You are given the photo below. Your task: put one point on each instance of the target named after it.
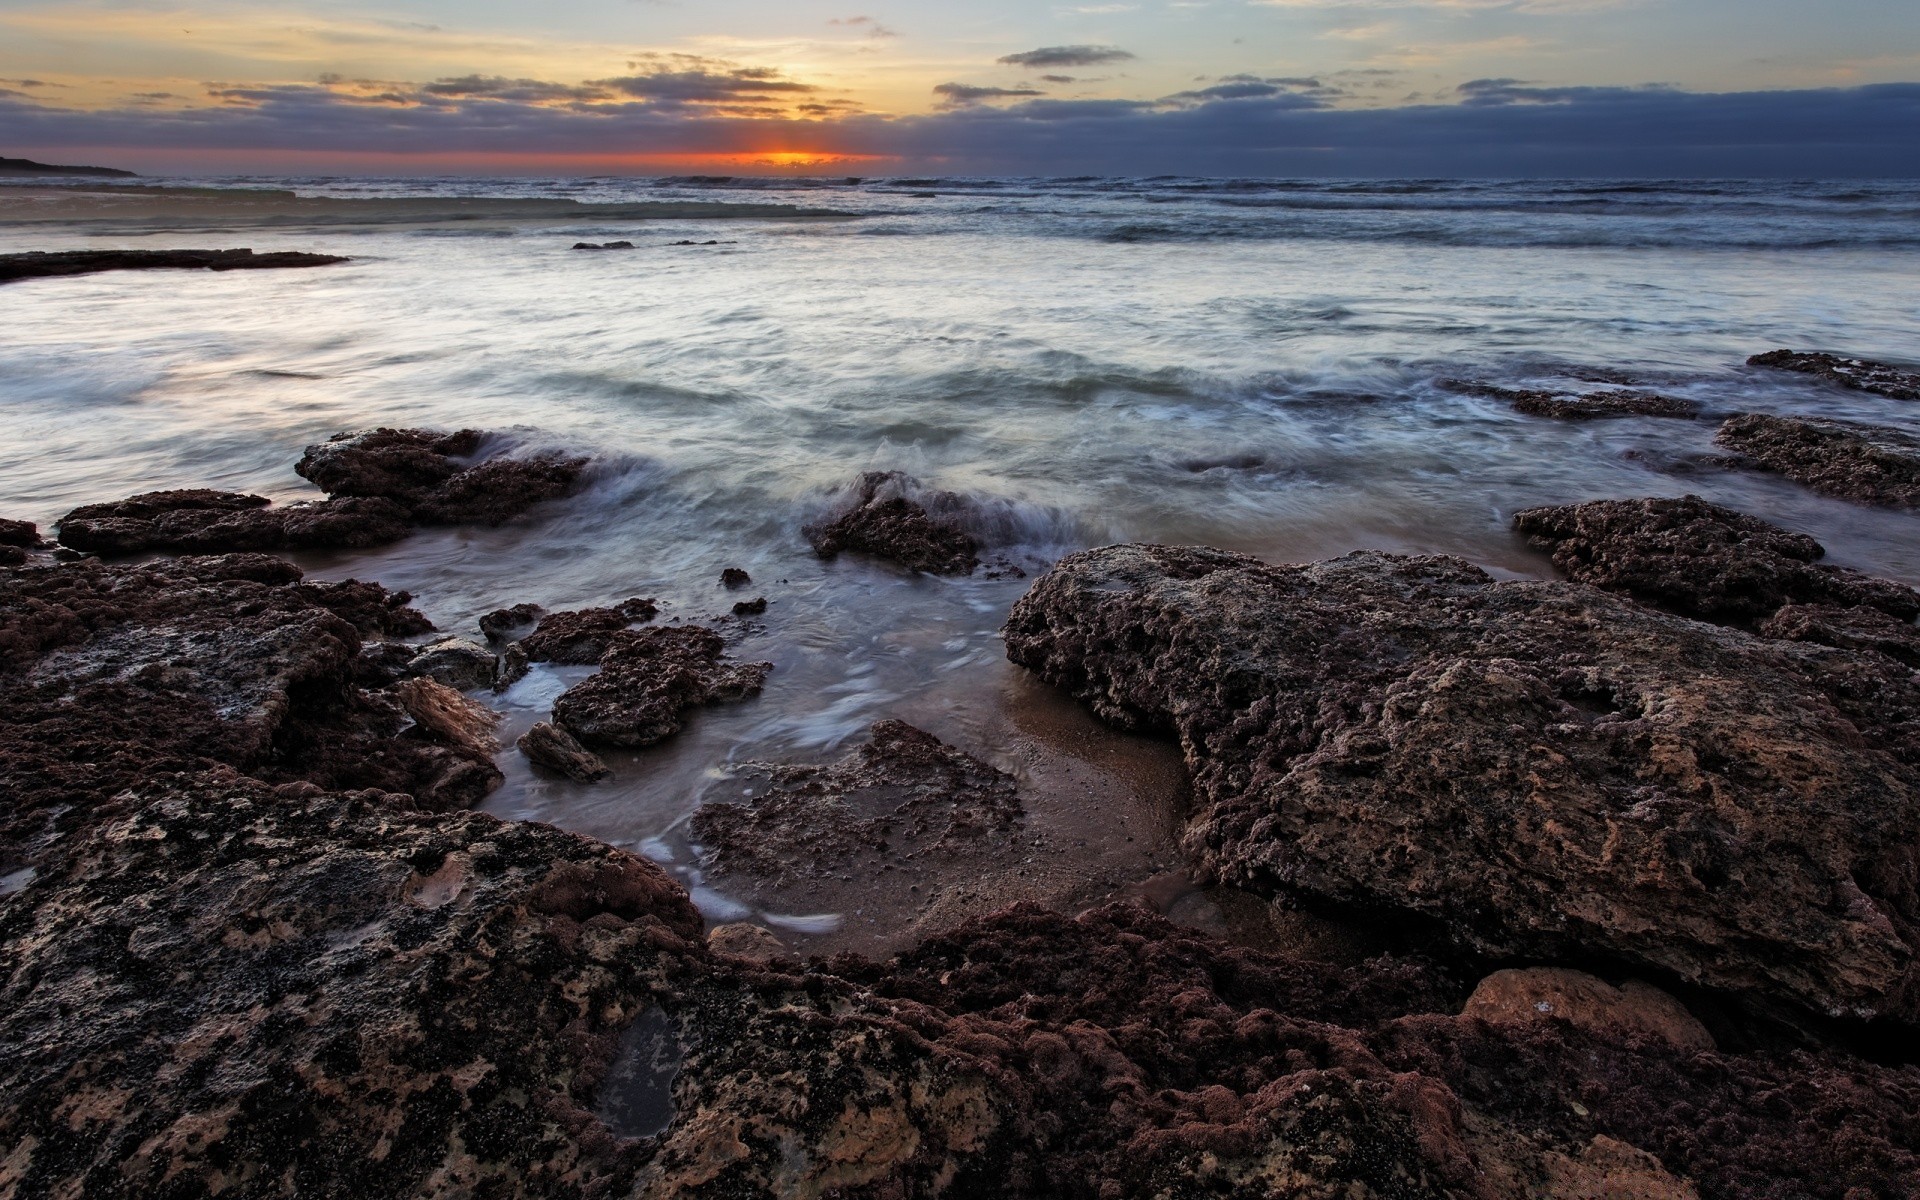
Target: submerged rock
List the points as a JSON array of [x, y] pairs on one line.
[[904, 794], [1589, 406], [1701, 560], [547, 745], [648, 679], [583, 636], [428, 474], [887, 519], [750, 608], [1869, 464], [503, 623], [1860, 374], [1540, 769], [43, 264]]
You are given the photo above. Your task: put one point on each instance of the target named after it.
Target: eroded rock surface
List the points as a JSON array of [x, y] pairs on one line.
[[432, 477], [582, 636], [44, 264], [647, 681], [1702, 560], [905, 794], [889, 517], [547, 745], [1868, 464], [1574, 406], [1859, 374], [1541, 769], [198, 521], [109, 673], [1556, 994]]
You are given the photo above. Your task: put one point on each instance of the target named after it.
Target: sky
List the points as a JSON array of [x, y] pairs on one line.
[[1210, 87]]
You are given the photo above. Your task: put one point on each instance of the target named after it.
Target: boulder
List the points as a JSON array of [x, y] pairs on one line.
[[23, 534], [1860, 374], [647, 681], [888, 517], [1701, 560], [582, 636], [502, 624], [456, 662], [547, 745], [432, 477], [734, 578], [750, 608], [1538, 769], [1868, 464], [449, 716]]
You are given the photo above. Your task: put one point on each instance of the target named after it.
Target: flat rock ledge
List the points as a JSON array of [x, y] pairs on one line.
[[1860, 374], [1579, 406], [1539, 769], [381, 485], [43, 264], [1701, 560], [1868, 464]]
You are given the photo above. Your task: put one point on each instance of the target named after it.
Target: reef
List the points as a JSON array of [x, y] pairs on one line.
[[42, 264], [1868, 464], [1533, 769], [1860, 374]]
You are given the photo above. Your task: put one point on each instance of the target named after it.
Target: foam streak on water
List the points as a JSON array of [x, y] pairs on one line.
[[1244, 363]]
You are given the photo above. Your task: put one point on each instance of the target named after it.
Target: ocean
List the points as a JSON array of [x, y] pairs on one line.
[[1254, 364]]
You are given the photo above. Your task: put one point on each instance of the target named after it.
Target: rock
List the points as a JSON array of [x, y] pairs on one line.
[[905, 795], [109, 674], [1700, 560], [603, 245], [512, 668], [503, 623], [1857, 373], [1868, 464], [885, 523], [1552, 993], [582, 637], [753, 943], [733, 578], [648, 679], [368, 607], [427, 475], [449, 716], [1591, 406], [25, 534], [199, 521], [383, 664], [547, 745], [42, 264], [1540, 769], [458, 663], [234, 988], [750, 608], [1848, 629]]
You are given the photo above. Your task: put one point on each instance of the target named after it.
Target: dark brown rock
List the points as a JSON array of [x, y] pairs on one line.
[[502, 623], [905, 794], [750, 608], [733, 578], [889, 518], [207, 522], [456, 662], [1857, 373], [1540, 769], [24, 534], [1557, 994], [428, 474], [1589, 406], [41, 264], [547, 745], [1847, 628], [582, 636], [1868, 464], [647, 681], [1701, 560]]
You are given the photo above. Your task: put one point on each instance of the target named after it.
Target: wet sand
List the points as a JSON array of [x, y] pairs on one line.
[[132, 206]]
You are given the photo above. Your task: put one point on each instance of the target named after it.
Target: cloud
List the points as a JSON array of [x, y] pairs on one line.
[[688, 79], [1505, 128], [874, 28], [962, 95], [518, 91], [1067, 56]]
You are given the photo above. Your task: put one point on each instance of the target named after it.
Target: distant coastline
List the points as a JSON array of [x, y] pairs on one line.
[[26, 166]]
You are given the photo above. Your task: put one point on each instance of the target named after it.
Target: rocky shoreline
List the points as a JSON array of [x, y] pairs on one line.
[[1640, 844]]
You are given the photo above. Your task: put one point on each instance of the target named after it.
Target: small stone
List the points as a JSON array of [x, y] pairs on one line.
[[743, 940]]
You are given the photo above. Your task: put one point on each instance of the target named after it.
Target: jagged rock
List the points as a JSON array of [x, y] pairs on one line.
[[502, 623], [449, 716], [733, 578], [1539, 768], [110, 673], [462, 665], [1590, 406], [427, 474], [1848, 629], [233, 988], [581, 637], [512, 667], [1701, 560], [647, 681], [43, 264], [1557, 994], [750, 608], [1858, 373], [1868, 464], [905, 794], [890, 519], [199, 521], [547, 745]]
